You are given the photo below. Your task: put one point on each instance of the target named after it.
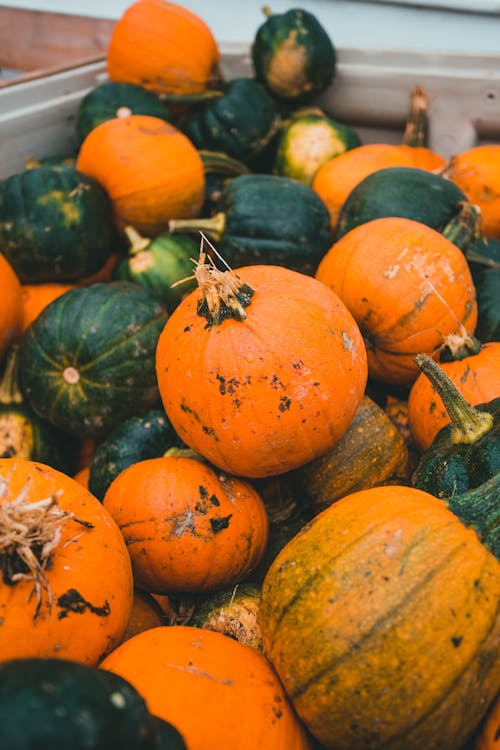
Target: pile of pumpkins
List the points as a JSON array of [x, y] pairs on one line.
[[249, 442]]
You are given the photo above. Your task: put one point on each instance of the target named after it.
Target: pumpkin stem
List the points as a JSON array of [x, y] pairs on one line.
[[224, 295], [465, 229], [199, 97], [468, 423], [138, 243], [417, 125], [29, 533], [213, 226], [221, 163], [177, 452], [480, 509], [460, 345], [267, 11], [9, 389]]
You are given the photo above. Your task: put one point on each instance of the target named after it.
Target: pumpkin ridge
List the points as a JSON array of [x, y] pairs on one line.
[[299, 692], [446, 694]]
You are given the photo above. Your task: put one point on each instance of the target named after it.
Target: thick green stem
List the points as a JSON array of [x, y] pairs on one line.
[[464, 230], [9, 389], [480, 509], [137, 242], [416, 131], [212, 226], [221, 163], [468, 423]]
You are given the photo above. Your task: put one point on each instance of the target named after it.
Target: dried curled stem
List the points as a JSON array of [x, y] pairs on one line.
[[29, 533]]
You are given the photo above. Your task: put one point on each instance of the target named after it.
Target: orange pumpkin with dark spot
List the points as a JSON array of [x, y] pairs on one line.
[[151, 171], [407, 286], [187, 527], [11, 311]]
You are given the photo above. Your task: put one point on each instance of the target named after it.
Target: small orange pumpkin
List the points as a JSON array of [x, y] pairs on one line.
[[164, 47], [36, 297], [488, 737], [11, 306], [477, 172], [56, 540], [187, 527], [477, 377], [407, 287], [150, 170], [260, 370], [339, 176], [217, 692], [146, 613]]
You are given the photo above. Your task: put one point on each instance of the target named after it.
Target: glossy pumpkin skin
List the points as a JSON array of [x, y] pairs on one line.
[[11, 311], [150, 170], [137, 438], [407, 287], [117, 99], [55, 224], [475, 376], [370, 452], [401, 191], [183, 671], [369, 589], [488, 737], [258, 397], [475, 171], [187, 527], [339, 176], [85, 370], [89, 610], [293, 55], [59, 704], [164, 47], [240, 123]]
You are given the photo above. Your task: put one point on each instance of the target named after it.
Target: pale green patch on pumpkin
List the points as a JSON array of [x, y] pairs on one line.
[[68, 208]]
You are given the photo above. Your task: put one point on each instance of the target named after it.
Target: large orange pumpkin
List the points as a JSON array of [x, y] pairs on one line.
[[477, 172], [10, 305], [217, 692], [477, 377], [407, 287], [66, 587], [150, 170], [339, 176], [261, 370], [187, 527], [164, 47]]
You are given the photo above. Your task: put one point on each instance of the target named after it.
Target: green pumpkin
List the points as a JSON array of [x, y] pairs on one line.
[[60, 704], [308, 141], [88, 361], [233, 612], [116, 99], [138, 438], [267, 219], [158, 265], [401, 191], [487, 285], [55, 224], [293, 55], [23, 434], [240, 123], [219, 169], [465, 453]]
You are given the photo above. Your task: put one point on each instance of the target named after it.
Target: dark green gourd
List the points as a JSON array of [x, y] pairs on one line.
[[88, 361]]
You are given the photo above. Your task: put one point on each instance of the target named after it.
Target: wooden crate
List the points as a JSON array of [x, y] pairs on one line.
[[34, 44]]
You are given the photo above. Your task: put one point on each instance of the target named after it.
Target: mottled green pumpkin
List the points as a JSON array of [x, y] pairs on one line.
[[117, 99], [293, 55], [55, 224], [88, 361]]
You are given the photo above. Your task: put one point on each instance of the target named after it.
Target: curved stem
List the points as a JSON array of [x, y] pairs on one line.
[[213, 226], [9, 389], [218, 161], [464, 229], [416, 131], [468, 423], [137, 241]]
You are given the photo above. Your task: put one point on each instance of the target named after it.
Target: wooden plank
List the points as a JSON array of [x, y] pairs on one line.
[[32, 40]]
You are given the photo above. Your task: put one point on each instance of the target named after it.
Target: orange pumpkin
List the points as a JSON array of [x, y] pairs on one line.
[[103, 274], [217, 692], [146, 613], [35, 297], [488, 737], [187, 527], [66, 589], [164, 47], [338, 177], [11, 310], [150, 170], [82, 476], [477, 172], [477, 377], [406, 285], [261, 370]]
